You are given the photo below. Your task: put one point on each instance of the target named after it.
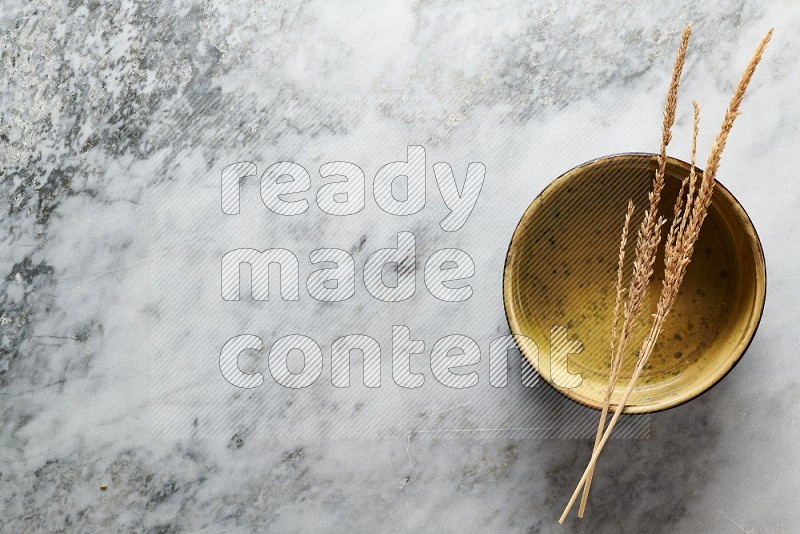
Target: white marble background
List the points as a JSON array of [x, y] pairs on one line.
[[115, 121]]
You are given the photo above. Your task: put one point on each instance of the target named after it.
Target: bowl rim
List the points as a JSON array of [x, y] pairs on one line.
[[761, 290]]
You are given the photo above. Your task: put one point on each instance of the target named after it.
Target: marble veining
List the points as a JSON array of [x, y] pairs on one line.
[[116, 120]]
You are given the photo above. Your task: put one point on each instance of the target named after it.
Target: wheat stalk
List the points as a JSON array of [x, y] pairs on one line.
[[647, 241], [678, 255], [616, 356]]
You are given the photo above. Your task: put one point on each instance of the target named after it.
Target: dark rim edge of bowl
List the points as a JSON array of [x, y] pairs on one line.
[[761, 304]]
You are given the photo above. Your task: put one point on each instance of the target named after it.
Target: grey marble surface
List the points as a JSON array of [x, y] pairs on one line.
[[116, 119]]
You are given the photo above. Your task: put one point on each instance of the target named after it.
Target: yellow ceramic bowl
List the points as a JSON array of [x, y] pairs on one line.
[[561, 269]]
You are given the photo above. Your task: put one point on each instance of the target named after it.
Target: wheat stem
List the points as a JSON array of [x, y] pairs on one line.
[[610, 427], [616, 358]]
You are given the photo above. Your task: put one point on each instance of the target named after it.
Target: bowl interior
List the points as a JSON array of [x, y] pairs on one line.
[[561, 270]]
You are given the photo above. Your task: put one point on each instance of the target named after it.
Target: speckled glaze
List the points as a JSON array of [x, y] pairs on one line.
[[561, 266]]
